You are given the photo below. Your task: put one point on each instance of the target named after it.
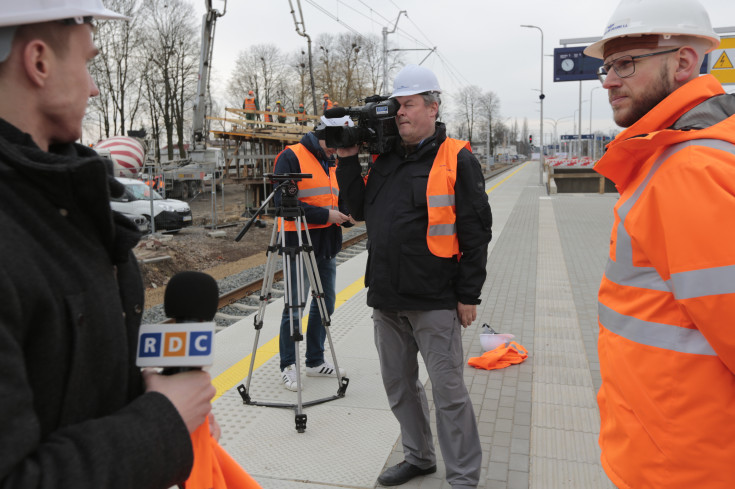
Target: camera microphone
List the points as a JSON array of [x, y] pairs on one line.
[[336, 113], [191, 299]]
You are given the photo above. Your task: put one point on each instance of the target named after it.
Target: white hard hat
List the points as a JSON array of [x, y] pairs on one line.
[[413, 79], [664, 17], [36, 11]]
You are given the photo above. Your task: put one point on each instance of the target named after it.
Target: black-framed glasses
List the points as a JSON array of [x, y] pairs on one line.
[[624, 66]]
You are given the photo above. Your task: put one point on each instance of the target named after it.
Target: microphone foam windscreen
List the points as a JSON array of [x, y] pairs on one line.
[[191, 296]]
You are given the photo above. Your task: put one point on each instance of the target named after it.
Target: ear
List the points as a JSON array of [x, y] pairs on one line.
[[688, 64], [36, 62], [434, 109]]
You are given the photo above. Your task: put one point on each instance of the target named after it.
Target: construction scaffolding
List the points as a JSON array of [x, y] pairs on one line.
[[250, 146]]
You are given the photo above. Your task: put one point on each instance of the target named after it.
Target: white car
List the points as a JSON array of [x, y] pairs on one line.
[[168, 214]]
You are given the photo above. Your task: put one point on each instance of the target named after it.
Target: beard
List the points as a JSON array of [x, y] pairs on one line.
[[642, 103]]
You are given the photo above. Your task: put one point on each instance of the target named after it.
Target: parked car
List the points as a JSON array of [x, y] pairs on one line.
[[140, 221], [168, 214]]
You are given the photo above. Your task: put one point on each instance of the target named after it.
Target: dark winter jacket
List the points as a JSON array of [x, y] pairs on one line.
[[326, 241], [402, 274], [72, 408]]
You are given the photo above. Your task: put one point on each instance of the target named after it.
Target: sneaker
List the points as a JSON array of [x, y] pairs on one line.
[[288, 376], [326, 369]]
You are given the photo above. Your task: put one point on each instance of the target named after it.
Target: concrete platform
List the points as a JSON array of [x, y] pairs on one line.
[[538, 421]]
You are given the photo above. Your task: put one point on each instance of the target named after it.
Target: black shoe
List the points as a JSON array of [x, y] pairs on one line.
[[402, 473]]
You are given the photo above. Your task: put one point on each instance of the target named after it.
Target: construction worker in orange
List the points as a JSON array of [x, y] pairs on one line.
[[301, 118], [279, 110], [327, 103], [667, 297], [251, 103], [268, 117]]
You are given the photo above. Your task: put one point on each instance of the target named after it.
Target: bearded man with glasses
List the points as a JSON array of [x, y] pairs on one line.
[[667, 298]]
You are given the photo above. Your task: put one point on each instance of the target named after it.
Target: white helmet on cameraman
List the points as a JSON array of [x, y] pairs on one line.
[[634, 18], [19, 13], [413, 79]]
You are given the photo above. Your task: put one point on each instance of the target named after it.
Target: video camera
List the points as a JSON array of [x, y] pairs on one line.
[[375, 125]]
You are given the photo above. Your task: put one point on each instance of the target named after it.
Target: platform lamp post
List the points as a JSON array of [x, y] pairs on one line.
[[541, 97], [594, 140]]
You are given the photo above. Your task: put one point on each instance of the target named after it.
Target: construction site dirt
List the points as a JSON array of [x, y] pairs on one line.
[[203, 247]]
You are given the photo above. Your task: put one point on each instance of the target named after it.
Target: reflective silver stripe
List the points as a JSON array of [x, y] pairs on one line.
[[442, 229], [666, 336], [622, 271], [441, 200], [335, 191], [641, 277], [313, 192], [708, 281]]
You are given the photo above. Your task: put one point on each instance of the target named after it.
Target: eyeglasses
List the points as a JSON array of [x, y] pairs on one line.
[[624, 66], [78, 20]]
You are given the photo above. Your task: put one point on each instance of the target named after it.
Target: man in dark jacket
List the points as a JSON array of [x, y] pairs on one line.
[[319, 198], [429, 225], [75, 410]]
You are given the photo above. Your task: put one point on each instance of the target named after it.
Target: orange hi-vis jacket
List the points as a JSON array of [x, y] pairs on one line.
[[321, 190], [667, 298], [441, 234], [249, 104], [327, 105]]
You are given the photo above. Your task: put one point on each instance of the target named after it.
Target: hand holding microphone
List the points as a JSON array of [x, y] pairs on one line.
[[183, 348]]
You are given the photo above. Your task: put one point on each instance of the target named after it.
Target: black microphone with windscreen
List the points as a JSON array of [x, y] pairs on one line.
[[336, 113], [191, 297]]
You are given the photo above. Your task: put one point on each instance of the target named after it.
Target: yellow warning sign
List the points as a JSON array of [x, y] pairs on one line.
[[722, 61]]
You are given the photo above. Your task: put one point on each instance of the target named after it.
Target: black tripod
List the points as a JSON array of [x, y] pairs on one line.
[[296, 259]]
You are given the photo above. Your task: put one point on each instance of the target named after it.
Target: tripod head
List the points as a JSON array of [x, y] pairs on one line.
[[289, 191]]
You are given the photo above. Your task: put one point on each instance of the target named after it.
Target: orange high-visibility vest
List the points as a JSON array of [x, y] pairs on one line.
[[321, 190], [327, 105], [301, 117], [441, 234], [249, 104], [667, 301]]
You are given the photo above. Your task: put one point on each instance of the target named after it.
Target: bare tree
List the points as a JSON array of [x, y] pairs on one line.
[[468, 101], [168, 47], [261, 68], [113, 69]]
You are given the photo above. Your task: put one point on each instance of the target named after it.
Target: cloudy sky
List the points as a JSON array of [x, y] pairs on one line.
[[478, 42]]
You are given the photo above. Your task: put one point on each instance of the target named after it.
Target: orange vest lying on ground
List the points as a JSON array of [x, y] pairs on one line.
[[320, 190], [667, 300]]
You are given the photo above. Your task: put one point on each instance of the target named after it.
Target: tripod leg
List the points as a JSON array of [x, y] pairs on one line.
[[265, 295], [293, 277]]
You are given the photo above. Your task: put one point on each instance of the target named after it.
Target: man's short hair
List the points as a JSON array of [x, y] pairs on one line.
[[431, 97]]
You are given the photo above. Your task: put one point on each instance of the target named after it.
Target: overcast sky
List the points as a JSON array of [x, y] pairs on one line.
[[478, 42]]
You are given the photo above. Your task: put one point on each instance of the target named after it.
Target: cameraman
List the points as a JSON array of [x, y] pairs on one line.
[[319, 198], [425, 272]]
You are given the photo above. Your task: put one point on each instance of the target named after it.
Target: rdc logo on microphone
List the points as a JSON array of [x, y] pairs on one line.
[[176, 345]]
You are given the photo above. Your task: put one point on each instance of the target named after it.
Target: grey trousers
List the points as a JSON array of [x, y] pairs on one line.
[[399, 337]]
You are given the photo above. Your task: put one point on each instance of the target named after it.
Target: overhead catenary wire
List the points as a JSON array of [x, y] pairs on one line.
[[454, 74]]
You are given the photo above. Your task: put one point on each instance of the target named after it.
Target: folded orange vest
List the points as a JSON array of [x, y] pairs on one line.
[[214, 468], [501, 357]]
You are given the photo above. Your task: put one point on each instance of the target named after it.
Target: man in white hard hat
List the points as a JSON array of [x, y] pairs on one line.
[[76, 411], [667, 299], [429, 225], [325, 214]]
